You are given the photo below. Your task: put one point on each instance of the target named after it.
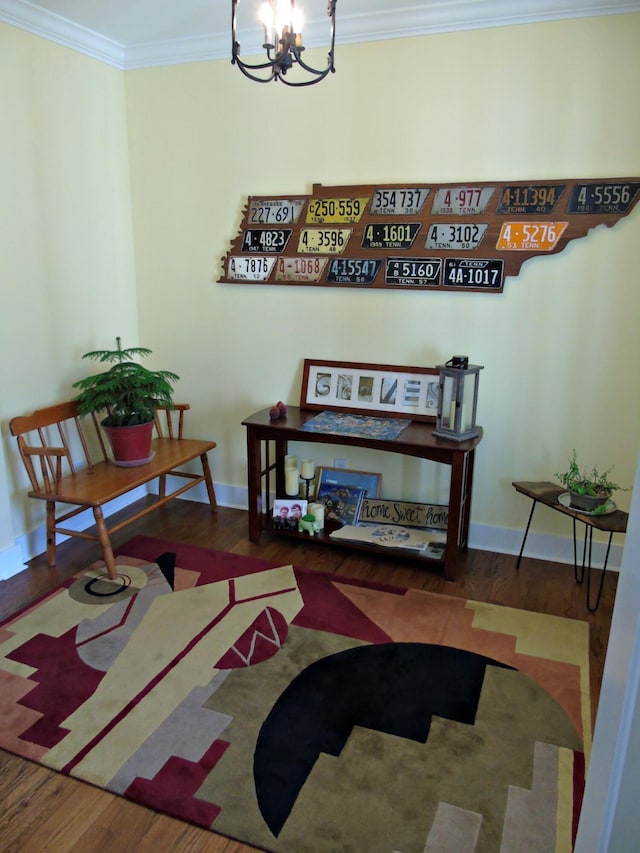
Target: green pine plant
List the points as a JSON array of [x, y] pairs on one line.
[[590, 483], [128, 391]]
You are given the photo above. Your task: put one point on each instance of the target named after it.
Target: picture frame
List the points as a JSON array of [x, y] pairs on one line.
[[366, 480], [341, 503], [287, 512], [379, 389]]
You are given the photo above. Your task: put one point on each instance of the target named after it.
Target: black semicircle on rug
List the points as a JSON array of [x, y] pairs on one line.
[[167, 564], [392, 687]]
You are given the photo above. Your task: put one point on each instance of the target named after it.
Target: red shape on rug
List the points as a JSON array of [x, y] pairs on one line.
[[173, 788], [65, 682], [262, 639]]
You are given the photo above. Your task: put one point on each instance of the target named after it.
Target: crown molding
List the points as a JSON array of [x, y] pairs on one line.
[[398, 22]]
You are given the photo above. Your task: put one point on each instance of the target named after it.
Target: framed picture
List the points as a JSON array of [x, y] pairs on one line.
[[286, 513], [335, 477], [341, 503], [383, 389]]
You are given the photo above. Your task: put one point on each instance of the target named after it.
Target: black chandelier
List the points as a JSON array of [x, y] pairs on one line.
[[282, 25]]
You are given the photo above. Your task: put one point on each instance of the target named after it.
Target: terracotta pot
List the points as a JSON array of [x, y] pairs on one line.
[[130, 445]]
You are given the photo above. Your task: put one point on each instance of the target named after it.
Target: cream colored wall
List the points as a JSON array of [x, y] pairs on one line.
[[534, 102], [67, 271], [560, 345]]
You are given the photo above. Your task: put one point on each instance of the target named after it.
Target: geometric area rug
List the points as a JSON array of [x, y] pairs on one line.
[[301, 711]]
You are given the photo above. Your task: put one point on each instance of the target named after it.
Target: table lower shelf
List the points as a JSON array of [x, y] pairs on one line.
[[323, 537]]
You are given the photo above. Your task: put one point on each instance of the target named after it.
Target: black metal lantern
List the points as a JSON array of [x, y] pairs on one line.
[[458, 399]]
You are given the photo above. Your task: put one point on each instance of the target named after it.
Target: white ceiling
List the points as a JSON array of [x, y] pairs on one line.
[[139, 33]]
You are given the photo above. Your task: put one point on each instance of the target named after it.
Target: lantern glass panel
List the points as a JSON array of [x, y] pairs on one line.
[[468, 395], [449, 402]]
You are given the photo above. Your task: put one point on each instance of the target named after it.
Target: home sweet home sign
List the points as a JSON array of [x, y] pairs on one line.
[[439, 237]]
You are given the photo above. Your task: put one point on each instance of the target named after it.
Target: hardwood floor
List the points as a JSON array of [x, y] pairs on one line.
[[44, 811]]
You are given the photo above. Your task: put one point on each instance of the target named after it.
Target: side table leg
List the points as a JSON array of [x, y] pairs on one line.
[[593, 607], [254, 485], [526, 533]]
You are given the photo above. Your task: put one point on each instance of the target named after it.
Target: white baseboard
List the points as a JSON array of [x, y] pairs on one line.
[[484, 537]]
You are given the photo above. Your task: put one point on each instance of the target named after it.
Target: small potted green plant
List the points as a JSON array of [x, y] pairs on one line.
[[130, 394], [589, 491]]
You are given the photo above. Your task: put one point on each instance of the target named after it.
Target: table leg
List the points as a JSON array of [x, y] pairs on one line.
[[254, 485], [526, 533], [455, 515]]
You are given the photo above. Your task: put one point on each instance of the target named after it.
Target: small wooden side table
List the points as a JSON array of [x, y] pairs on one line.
[[613, 522]]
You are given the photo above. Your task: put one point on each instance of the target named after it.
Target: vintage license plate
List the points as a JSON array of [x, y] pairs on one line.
[[473, 272], [461, 201], [416, 272], [323, 241], [455, 235], [390, 235], [265, 239], [300, 269], [536, 198], [275, 211], [249, 268], [336, 209], [398, 202], [603, 198], [353, 270], [530, 236]]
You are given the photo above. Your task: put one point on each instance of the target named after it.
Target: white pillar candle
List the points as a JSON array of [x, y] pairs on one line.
[[291, 482], [306, 469], [317, 511], [452, 415], [290, 462]]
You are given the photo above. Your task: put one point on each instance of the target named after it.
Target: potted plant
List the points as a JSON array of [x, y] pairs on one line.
[[130, 394], [589, 491]]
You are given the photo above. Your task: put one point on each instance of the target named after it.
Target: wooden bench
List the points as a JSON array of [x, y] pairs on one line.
[[67, 463]]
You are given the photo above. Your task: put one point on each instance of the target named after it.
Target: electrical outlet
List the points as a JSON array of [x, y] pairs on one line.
[[339, 462]]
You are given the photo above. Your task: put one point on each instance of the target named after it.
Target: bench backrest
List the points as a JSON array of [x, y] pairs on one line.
[[55, 441]]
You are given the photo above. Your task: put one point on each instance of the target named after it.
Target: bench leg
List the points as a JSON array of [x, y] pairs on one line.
[[206, 470], [103, 537], [51, 534]]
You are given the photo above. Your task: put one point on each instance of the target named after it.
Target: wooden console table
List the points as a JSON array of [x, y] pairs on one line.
[[266, 469], [613, 522]]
